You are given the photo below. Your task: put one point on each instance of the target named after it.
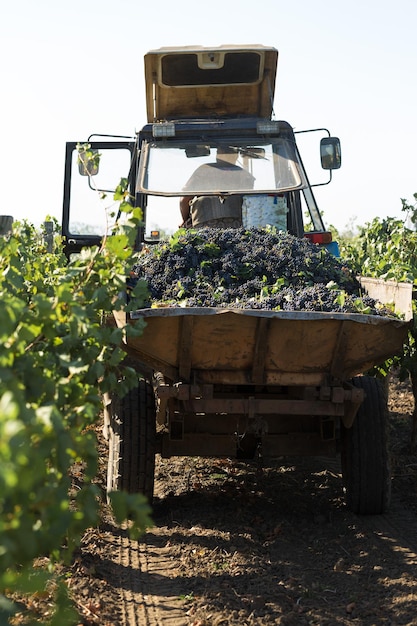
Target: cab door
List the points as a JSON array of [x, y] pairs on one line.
[[89, 210]]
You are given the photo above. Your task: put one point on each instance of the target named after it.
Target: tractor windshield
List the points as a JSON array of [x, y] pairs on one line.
[[173, 168]]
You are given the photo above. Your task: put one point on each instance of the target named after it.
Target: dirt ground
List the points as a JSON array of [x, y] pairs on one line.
[[247, 545]]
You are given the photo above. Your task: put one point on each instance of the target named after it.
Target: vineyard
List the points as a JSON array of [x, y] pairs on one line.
[[59, 355]]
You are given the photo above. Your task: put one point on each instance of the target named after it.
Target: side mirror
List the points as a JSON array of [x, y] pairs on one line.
[[330, 153], [88, 161]]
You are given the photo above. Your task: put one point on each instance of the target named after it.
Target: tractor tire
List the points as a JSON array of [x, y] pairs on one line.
[[364, 452], [132, 441]]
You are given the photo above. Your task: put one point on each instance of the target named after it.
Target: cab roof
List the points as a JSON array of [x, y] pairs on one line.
[[196, 82]]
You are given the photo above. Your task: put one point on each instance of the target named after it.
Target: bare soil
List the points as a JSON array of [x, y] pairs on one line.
[[245, 544]]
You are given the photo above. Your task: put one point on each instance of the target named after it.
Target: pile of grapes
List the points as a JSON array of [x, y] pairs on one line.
[[249, 269]]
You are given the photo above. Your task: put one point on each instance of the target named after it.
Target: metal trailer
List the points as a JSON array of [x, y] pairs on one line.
[[242, 383]]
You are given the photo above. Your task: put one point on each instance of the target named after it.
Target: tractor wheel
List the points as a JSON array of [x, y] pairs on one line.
[[364, 452], [132, 440]]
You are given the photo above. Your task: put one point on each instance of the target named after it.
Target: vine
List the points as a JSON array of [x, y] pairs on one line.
[[58, 355], [387, 248]]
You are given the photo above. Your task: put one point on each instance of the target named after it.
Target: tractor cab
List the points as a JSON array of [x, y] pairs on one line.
[[202, 104]]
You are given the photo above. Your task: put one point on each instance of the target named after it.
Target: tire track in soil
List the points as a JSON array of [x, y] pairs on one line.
[[145, 581], [148, 586], [151, 588]]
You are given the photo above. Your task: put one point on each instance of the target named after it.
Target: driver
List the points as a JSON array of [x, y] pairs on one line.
[[216, 211]]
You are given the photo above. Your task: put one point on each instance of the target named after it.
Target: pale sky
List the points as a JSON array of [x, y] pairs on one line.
[[75, 68]]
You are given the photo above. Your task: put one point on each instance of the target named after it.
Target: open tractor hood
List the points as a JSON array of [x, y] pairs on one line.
[[196, 82]]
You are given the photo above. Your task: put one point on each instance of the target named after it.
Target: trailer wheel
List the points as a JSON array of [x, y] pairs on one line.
[[364, 452], [132, 441]]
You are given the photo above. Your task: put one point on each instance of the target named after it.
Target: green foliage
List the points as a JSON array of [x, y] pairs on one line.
[[176, 242], [133, 507], [387, 248], [410, 209], [212, 250], [59, 352]]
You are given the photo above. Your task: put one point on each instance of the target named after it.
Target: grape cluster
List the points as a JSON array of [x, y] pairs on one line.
[[252, 268]]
